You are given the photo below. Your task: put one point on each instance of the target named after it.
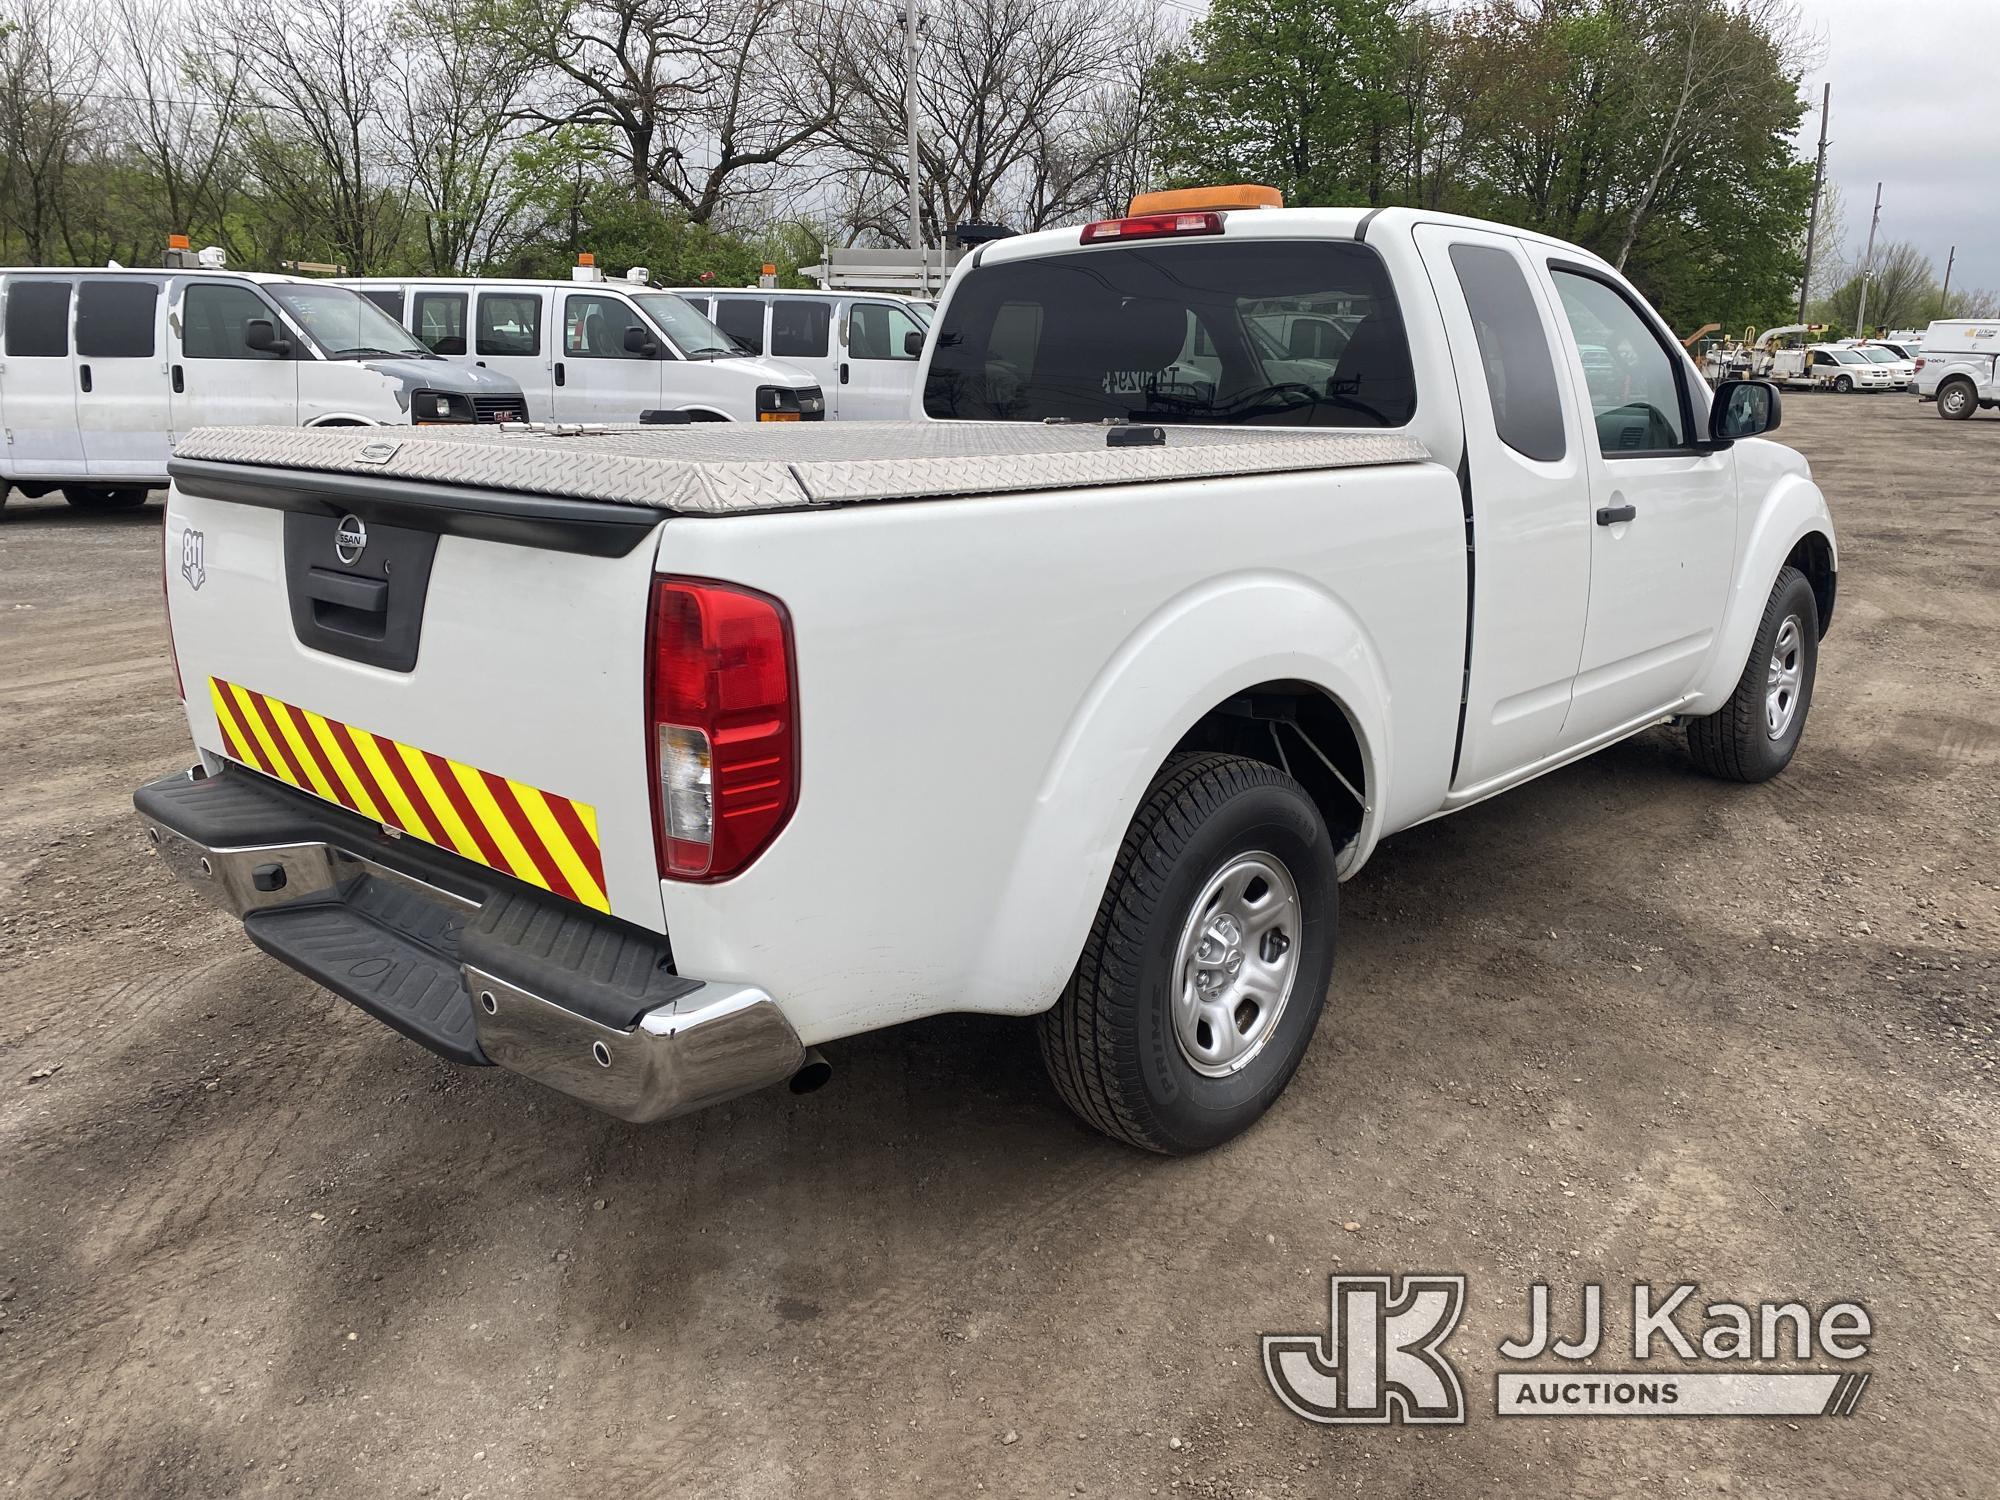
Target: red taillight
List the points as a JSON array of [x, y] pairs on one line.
[[166, 599], [721, 725], [1152, 227], [1920, 362]]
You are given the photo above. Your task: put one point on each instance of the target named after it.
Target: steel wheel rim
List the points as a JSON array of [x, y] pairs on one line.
[[1236, 964], [1784, 676], [1954, 399]]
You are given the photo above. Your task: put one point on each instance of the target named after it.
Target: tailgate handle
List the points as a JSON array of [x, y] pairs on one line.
[[355, 607]]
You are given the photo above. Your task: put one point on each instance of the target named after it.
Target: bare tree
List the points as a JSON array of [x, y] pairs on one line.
[[183, 106], [452, 126], [705, 104], [1032, 113], [49, 77], [320, 73]]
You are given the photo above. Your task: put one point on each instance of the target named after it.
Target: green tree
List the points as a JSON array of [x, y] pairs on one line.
[[1297, 94]]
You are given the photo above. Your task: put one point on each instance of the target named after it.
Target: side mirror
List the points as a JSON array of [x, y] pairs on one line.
[[1744, 409], [913, 344], [260, 334], [638, 341]]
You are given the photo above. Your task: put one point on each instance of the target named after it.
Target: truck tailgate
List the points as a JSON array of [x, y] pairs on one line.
[[483, 695]]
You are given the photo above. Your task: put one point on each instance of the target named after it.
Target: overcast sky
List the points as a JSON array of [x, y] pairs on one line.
[[1916, 107]]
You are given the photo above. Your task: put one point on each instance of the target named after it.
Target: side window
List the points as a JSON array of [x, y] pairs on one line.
[[510, 323], [742, 318], [213, 317], [440, 321], [38, 319], [388, 298], [799, 327], [1635, 391], [877, 330], [594, 327], [114, 319], [1513, 351]]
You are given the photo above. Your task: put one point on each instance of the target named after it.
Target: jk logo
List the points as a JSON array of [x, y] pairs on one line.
[[1380, 1361]]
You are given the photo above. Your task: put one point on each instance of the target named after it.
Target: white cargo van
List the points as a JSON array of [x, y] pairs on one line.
[[1956, 367], [103, 368], [863, 347], [594, 350]]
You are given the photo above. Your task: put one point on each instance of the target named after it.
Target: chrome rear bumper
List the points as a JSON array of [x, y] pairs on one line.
[[708, 1043]]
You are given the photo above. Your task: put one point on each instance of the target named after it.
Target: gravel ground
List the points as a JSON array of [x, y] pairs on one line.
[[1623, 1024]]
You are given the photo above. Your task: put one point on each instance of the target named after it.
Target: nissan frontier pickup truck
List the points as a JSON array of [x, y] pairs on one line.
[[1228, 541]]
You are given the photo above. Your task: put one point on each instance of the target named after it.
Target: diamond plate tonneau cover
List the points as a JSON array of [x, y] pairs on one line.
[[718, 468]]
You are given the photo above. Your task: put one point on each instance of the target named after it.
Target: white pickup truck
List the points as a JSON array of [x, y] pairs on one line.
[[645, 761]]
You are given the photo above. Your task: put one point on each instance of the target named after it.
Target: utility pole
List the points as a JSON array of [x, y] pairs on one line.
[[1944, 297], [1868, 268], [1812, 223], [910, 120]]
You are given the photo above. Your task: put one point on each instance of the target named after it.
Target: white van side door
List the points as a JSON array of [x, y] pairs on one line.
[[511, 336], [38, 380], [216, 378], [597, 379], [878, 373], [802, 333], [121, 376]]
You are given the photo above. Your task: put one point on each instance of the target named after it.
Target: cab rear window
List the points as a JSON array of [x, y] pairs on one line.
[[1264, 332]]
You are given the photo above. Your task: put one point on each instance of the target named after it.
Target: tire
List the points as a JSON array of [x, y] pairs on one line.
[[1957, 400], [1114, 1043], [1738, 741], [1843, 385], [104, 497]]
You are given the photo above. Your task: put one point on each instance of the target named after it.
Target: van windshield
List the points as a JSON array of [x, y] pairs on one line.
[[692, 334], [1266, 332], [343, 322]]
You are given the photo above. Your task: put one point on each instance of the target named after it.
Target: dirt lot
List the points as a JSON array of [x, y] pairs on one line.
[[1624, 1024]]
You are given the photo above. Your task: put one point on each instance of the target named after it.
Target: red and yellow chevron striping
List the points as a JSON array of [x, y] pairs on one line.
[[545, 839]]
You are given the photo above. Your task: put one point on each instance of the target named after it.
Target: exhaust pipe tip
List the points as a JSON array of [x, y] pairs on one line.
[[813, 1072]]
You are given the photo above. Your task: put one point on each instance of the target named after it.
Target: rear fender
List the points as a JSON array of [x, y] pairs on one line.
[[1195, 653]]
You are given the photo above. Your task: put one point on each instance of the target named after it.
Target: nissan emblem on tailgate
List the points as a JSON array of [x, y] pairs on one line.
[[350, 540]]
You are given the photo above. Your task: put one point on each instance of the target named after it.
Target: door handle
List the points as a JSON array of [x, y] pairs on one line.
[[1611, 515], [180, 381], [559, 372], [83, 371], [843, 372]]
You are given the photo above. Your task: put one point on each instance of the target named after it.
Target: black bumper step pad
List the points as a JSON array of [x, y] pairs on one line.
[[390, 949]]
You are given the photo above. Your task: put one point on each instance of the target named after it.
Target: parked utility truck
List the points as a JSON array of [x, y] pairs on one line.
[[645, 762], [1959, 366]]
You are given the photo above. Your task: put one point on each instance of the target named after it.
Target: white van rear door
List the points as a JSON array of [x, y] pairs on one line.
[[121, 376], [38, 380]]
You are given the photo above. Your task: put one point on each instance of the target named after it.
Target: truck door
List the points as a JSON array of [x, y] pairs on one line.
[[510, 336], [217, 379], [1529, 531], [38, 381], [598, 379], [121, 377], [1663, 514], [878, 373]]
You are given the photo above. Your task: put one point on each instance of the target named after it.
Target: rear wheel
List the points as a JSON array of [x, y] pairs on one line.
[[1957, 400], [1754, 735], [1207, 967], [104, 497]]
